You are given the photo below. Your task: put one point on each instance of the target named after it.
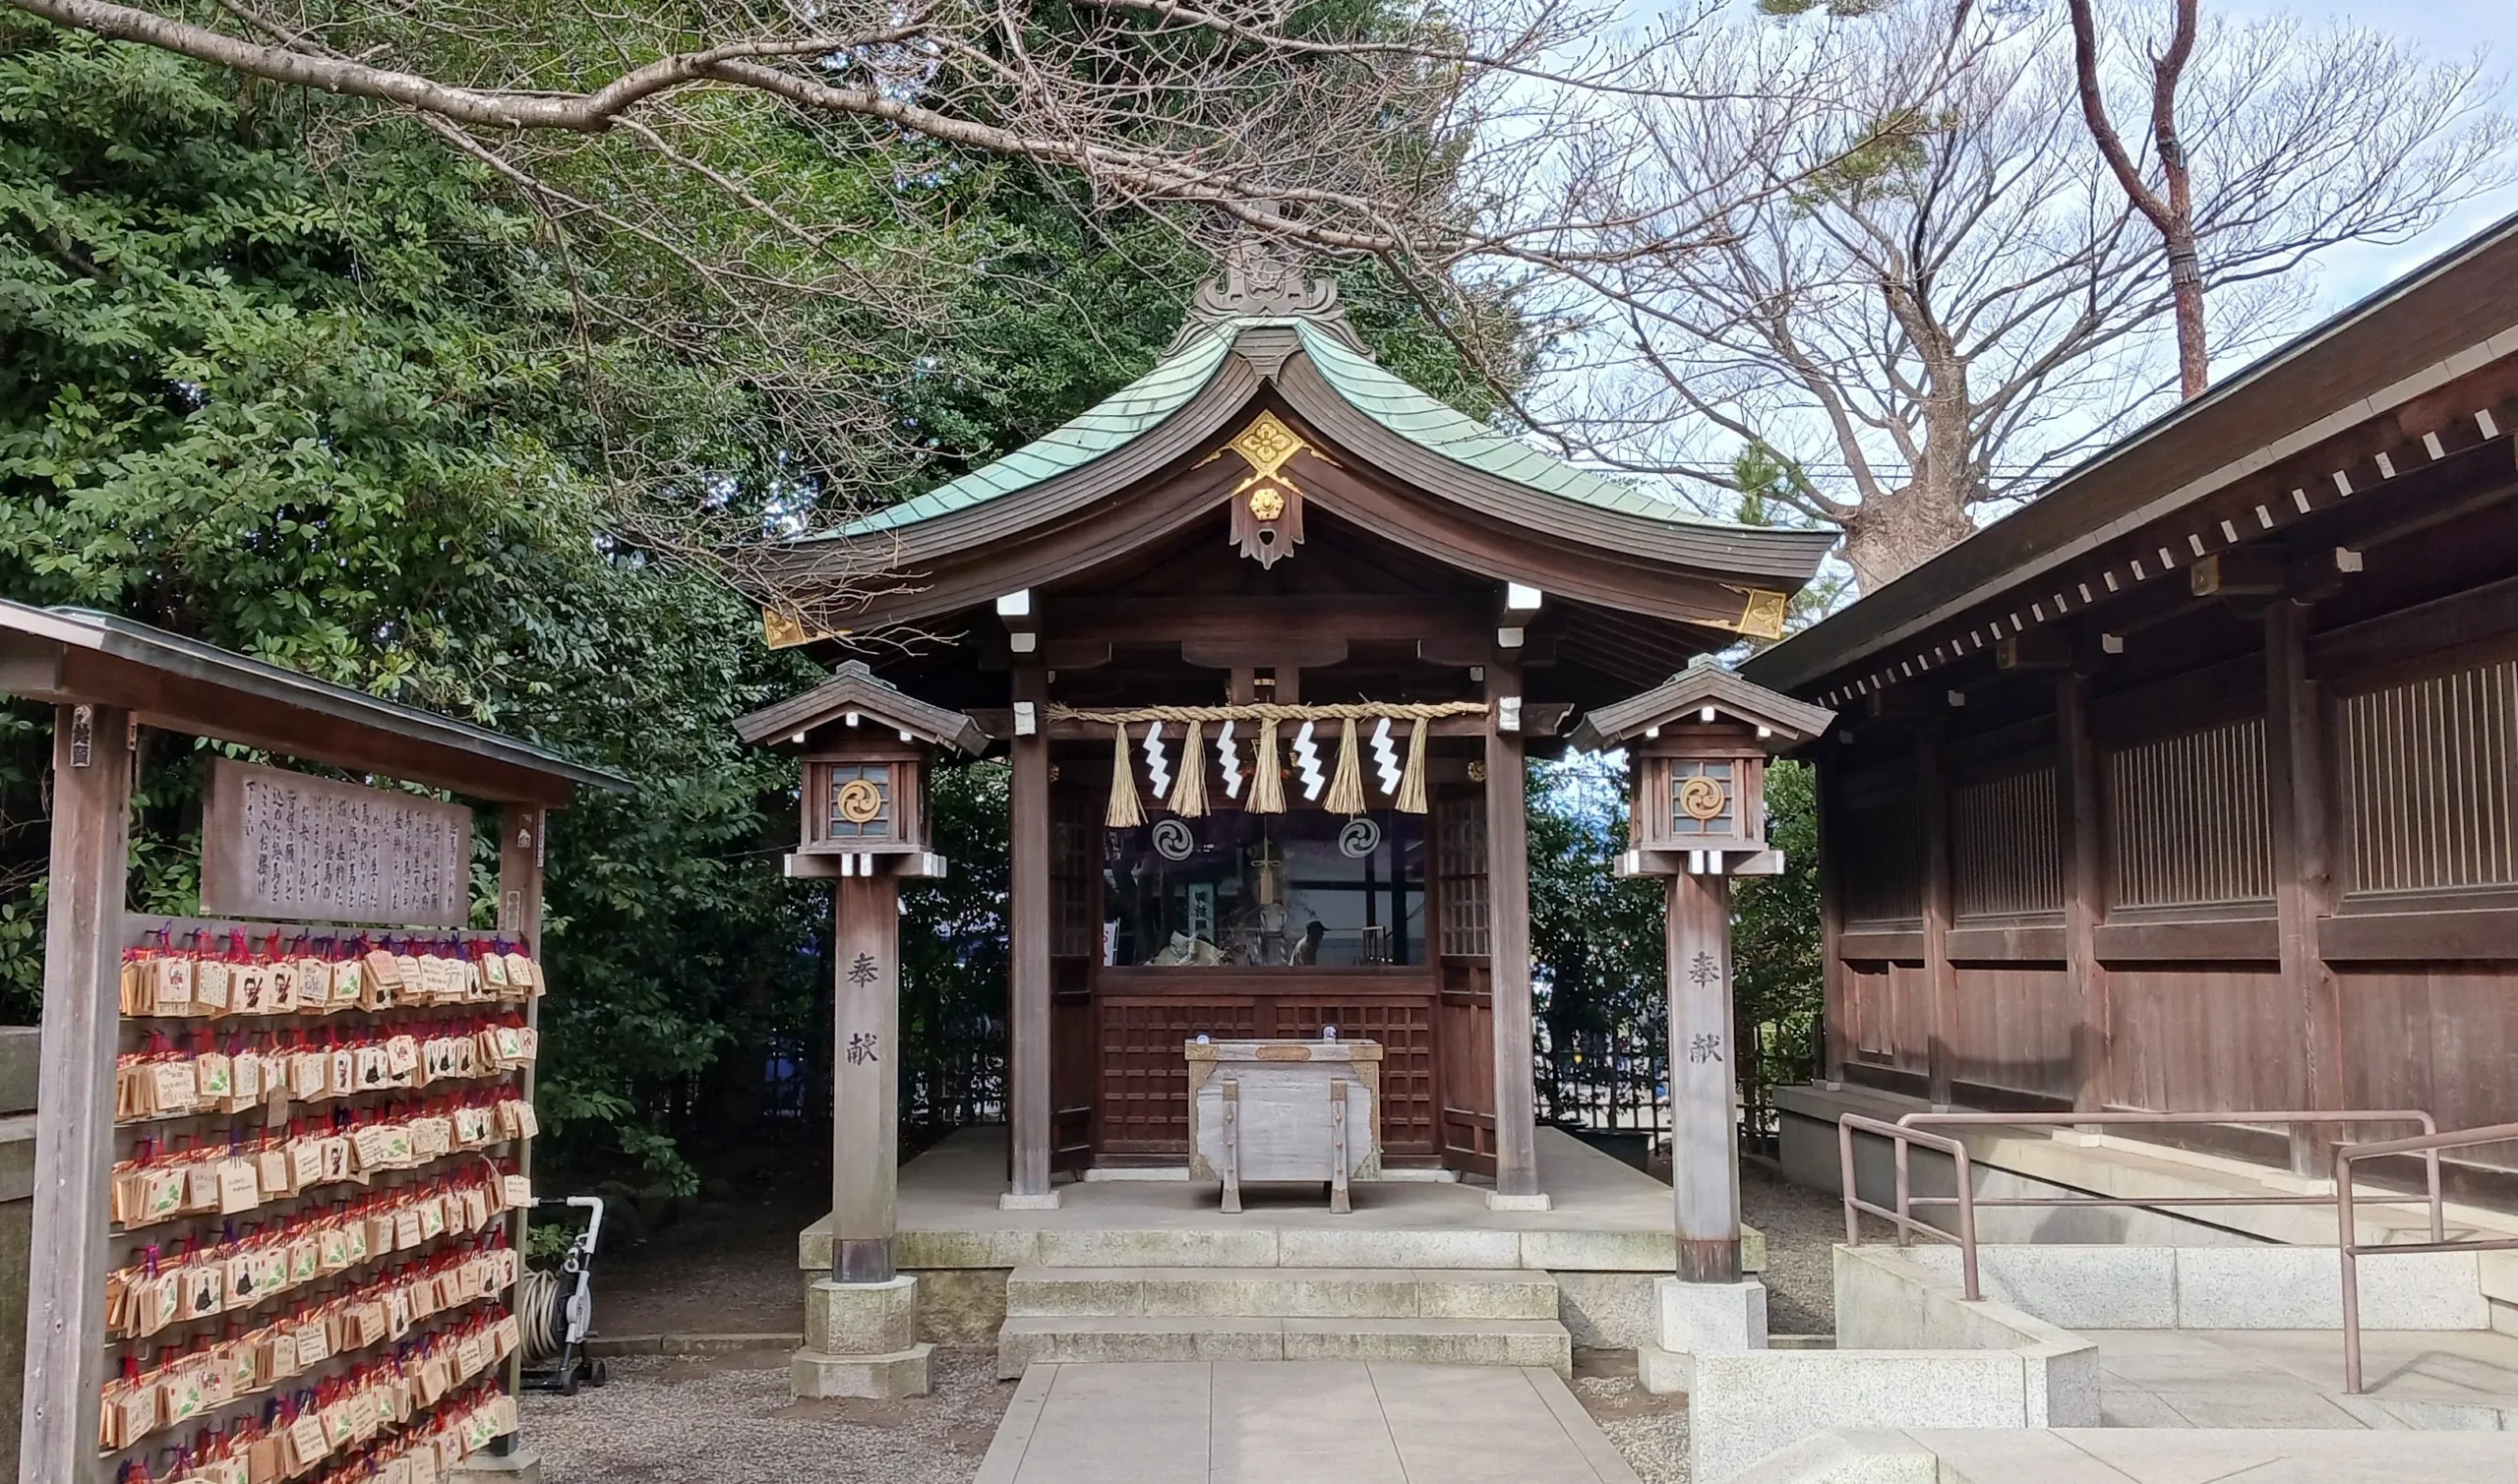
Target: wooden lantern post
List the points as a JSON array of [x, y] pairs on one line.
[[866, 747], [1700, 743]]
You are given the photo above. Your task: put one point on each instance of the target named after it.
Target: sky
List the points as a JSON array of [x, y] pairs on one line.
[[2443, 29]]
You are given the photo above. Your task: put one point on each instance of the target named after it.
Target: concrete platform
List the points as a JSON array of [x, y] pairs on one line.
[[1297, 1423], [2294, 1379], [2109, 1456], [1606, 1238], [1606, 1215]]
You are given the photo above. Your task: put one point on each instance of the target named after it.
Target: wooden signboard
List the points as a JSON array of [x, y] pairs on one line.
[[292, 846]]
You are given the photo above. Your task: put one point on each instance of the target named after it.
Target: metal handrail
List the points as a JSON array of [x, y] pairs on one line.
[[2349, 1250], [1908, 1131], [1903, 1218], [2288, 1119]]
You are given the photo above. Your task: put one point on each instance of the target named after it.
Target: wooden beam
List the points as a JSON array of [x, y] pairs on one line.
[[1941, 975], [65, 1369], [201, 707], [1836, 1012], [1508, 877], [2081, 838], [864, 1123], [1287, 618], [2239, 572], [1027, 1058], [523, 841], [1539, 719], [2303, 869], [1705, 1150], [1263, 651]]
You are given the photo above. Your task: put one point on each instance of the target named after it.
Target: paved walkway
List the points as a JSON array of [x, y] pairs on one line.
[[1298, 1422], [2261, 1456], [2294, 1378]]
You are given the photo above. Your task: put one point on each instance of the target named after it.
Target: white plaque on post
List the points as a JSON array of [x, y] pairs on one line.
[[276, 844]]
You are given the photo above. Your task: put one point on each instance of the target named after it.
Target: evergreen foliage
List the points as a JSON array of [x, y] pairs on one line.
[[285, 375]]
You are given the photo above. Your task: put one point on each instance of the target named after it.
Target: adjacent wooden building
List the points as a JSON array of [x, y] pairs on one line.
[[1269, 532], [2193, 784]]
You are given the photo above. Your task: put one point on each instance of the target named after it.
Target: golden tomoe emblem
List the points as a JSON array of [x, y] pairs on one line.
[[859, 800], [1267, 503], [1702, 798]]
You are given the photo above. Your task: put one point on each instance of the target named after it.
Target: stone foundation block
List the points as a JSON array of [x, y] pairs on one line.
[[1722, 1319], [523, 1466], [1047, 1200], [882, 1377], [861, 1318], [1664, 1372]]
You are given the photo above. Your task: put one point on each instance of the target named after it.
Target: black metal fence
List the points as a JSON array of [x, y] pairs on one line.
[[1613, 1085]]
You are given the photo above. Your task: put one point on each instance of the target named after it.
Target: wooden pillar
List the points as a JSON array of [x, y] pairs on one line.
[[75, 1122], [2303, 868], [1705, 1113], [1836, 1006], [864, 1124], [523, 837], [1508, 887], [2079, 838], [1028, 1059], [1941, 975]]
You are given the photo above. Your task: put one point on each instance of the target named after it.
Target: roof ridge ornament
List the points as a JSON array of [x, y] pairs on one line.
[[1263, 276]]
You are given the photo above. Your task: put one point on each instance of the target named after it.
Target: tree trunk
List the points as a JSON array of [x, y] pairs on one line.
[[1901, 529]]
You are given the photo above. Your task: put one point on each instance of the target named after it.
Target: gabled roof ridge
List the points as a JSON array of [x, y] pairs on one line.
[[1397, 406], [1705, 682], [854, 687]]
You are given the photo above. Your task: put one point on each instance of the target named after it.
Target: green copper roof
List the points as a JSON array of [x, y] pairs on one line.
[[1440, 428], [1144, 403], [1104, 428]]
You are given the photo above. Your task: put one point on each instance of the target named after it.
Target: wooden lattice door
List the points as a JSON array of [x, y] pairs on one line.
[[1465, 1002]]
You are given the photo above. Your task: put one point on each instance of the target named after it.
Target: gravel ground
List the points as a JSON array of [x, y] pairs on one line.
[[1650, 1431], [1802, 1227], [730, 1421]]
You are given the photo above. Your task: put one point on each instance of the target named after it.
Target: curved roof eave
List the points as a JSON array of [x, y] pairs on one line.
[[1357, 402]]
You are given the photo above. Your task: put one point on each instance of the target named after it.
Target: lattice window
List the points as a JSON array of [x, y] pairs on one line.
[[2003, 845], [1075, 844], [1684, 825], [1459, 863], [2429, 771], [850, 820], [1880, 860], [2188, 822]]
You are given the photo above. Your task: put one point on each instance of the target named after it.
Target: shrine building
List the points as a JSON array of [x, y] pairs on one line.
[[1268, 635]]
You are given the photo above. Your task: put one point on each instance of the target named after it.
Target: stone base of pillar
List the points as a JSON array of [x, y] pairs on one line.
[[1699, 1319], [887, 1378], [1496, 1200], [1047, 1200], [523, 1466], [861, 1339]]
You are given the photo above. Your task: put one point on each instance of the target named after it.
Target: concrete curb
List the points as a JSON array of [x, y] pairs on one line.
[[616, 1345]]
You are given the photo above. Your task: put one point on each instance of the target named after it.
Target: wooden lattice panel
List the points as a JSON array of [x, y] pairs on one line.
[[1145, 1082], [1405, 1031], [2188, 819], [2005, 856], [1460, 866]]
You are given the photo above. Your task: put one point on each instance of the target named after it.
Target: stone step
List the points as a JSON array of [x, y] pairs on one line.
[[1030, 1338], [1283, 1292]]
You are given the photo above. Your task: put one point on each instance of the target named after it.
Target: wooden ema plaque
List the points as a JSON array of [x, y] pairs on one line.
[[295, 846]]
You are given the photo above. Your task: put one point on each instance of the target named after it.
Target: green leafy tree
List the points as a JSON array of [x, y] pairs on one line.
[[288, 377]]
